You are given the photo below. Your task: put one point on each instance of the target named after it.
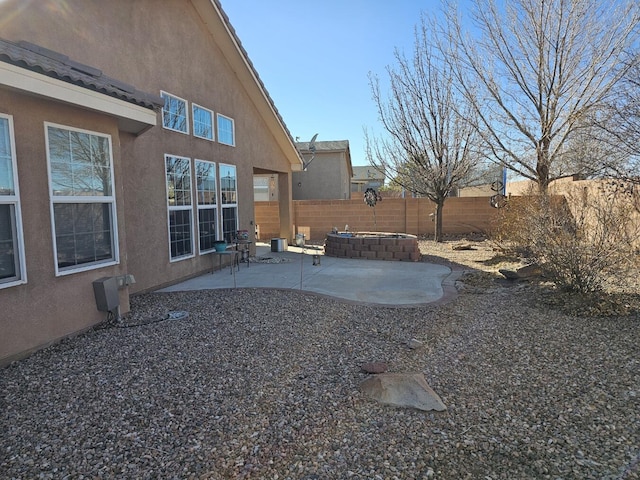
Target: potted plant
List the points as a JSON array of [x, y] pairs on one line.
[[220, 245]]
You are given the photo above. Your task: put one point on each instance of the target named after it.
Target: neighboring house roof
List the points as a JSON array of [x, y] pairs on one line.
[[326, 146], [53, 64], [366, 173]]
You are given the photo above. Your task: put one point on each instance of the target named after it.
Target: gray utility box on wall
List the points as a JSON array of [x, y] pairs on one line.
[[106, 291]]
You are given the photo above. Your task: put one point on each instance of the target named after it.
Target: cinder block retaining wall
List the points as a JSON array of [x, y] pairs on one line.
[[316, 218], [373, 248], [267, 220]]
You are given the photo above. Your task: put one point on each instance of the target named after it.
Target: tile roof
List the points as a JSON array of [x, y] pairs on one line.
[[56, 65]]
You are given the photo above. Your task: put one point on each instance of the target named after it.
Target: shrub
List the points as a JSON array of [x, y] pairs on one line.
[[583, 241]]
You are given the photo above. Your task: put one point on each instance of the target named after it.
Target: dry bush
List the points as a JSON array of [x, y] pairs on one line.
[[584, 241]]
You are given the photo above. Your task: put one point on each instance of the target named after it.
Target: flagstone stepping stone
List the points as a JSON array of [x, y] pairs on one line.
[[402, 390]]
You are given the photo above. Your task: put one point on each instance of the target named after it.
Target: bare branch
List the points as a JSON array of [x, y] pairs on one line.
[[432, 145], [538, 73]]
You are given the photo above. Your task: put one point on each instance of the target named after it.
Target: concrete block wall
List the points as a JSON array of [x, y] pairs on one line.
[[267, 220], [468, 214], [315, 218]]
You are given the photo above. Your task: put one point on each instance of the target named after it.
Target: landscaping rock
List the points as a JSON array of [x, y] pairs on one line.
[[509, 274], [463, 246], [375, 367], [522, 273], [402, 390]]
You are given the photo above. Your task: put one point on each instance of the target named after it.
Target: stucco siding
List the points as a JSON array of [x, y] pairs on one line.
[[155, 45], [47, 307], [323, 180], [160, 45]]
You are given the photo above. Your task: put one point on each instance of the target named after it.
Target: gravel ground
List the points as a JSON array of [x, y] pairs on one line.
[[264, 384]]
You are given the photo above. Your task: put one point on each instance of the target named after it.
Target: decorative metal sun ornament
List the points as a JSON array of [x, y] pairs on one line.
[[371, 197], [498, 200]]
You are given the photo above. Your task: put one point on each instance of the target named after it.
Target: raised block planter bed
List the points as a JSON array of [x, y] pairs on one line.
[[373, 246]]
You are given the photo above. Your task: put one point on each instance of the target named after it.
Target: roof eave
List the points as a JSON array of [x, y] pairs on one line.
[[131, 118]]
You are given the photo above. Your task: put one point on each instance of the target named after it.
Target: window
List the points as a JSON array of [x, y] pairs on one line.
[[202, 122], [229, 194], [260, 189], [207, 205], [226, 130], [12, 261], [82, 199], [178, 175], [174, 113]]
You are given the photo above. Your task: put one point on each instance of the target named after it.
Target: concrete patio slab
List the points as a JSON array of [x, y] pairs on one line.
[[356, 280]]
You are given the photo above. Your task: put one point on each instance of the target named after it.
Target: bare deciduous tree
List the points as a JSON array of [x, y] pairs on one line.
[[539, 72], [430, 146], [621, 123]]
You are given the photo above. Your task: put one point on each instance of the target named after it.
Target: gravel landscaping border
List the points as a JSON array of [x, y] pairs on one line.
[[264, 384]]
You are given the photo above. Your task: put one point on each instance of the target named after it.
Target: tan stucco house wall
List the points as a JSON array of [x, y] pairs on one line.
[[186, 49], [328, 175], [47, 307]]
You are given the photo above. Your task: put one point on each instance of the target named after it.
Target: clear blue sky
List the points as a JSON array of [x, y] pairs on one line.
[[314, 58]]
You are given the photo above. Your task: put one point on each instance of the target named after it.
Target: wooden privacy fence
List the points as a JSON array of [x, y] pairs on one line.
[[315, 218]]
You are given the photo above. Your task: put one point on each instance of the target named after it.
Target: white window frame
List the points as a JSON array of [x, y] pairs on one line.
[[261, 188], [233, 130], [188, 208], [207, 206], [13, 200], [224, 204], [83, 199], [195, 106], [166, 95]]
